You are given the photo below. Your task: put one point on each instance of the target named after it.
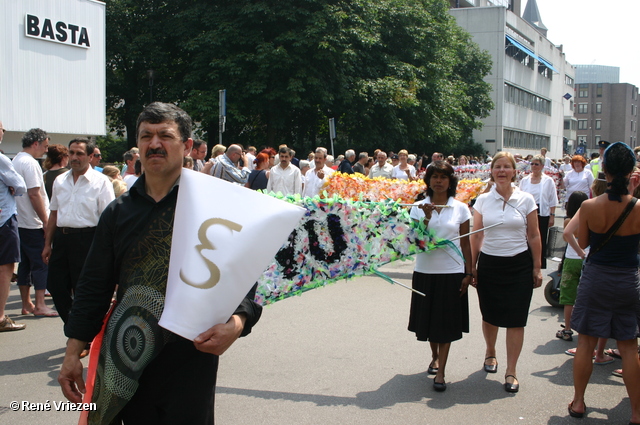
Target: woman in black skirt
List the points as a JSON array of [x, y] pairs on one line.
[[506, 263], [443, 275]]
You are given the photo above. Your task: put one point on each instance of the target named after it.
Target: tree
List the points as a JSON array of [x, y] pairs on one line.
[[141, 37], [394, 73], [112, 148]]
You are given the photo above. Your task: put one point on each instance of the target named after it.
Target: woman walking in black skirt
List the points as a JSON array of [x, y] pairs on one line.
[[442, 275], [506, 263]]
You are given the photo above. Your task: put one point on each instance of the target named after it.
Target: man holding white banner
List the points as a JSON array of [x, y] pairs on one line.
[[145, 373]]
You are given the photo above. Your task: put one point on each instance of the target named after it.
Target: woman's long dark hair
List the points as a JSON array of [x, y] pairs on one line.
[[445, 168], [575, 200], [618, 162]]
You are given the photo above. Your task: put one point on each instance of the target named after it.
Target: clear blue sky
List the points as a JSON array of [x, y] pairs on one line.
[[611, 40]]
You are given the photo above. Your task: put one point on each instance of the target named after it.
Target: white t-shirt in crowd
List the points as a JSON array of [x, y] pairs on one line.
[[31, 172], [402, 174], [130, 179]]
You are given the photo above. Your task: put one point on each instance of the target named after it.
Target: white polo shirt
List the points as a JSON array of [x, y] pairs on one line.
[[510, 238], [80, 204], [446, 225]]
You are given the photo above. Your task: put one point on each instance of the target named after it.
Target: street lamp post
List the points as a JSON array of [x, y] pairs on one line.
[[150, 75]]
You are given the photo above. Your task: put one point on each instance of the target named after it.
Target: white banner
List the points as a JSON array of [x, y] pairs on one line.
[[224, 237]]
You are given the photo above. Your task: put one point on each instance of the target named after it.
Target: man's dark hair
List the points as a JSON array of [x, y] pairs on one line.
[[286, 150], [158, 112], [32, 136], [127, 156], [197, 143], [137, 168], [89, 145]]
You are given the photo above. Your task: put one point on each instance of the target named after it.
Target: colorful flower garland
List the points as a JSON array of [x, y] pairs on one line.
[[338, 239], [357, 187]]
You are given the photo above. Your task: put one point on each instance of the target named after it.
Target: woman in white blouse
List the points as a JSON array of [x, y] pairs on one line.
[[442, 274], [404, 170], [578, 178], [543, 190], [506, 263]]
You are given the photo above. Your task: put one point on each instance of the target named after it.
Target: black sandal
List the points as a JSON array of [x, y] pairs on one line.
[[565, 335], [575, 414]]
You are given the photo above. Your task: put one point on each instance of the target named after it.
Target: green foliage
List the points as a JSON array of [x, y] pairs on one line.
[[112, 148], [468, 147], [394, 73]]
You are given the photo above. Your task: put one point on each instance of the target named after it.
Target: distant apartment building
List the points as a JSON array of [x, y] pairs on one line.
[[597, 74], [606, 111], [532, 82]]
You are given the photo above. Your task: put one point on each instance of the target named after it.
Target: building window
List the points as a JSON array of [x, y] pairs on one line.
[[518, 54], [582, 140], [582, 124], [571, 105], [522, 140], [567, 124], [597, 139], [599, 90], [598, 108], [633, 126], [583, 108], [544, 71], [526, 99], [568, 80], [599, 124], [583, 92]]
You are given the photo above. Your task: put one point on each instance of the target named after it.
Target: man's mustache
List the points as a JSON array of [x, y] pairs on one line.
[[158, 151]]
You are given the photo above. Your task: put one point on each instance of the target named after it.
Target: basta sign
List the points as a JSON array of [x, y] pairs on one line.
[[60, 32]]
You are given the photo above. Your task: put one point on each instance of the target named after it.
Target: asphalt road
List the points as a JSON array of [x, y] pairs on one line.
[[342, 355]]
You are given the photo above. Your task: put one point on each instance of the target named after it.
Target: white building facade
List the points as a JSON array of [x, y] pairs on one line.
[[532, 83], [53, 69]]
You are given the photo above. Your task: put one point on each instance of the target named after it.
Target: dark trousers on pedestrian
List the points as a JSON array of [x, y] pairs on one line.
[[543, 226], [177, 387], [65, 264], [32, 271]]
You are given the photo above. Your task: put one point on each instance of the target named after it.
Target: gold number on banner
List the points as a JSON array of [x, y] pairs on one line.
[[205, 243]]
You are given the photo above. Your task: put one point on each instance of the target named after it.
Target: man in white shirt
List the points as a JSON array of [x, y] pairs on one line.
[[78, 199], [381, 168], [316, 177], [33, 213], [285, 177]]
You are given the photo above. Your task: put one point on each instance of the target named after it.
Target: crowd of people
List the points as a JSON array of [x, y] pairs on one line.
[[72, 241]]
